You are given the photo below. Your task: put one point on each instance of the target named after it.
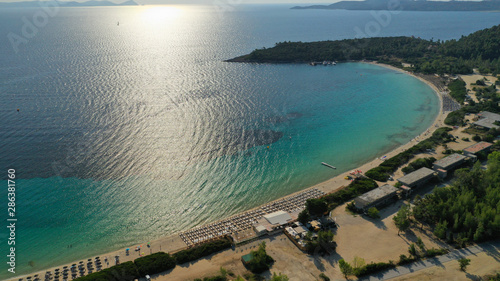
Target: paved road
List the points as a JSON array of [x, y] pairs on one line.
[[492, 248]]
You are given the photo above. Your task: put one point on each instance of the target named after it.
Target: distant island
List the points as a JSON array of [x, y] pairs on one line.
[[91, 3], [410, 5], [480, 50]]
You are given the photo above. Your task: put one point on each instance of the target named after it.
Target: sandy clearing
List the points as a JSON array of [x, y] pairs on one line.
[[472, 78]]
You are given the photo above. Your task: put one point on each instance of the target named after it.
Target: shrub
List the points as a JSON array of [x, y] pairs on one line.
[[323, 244], [373, 213], [215, 278], [352, 207], [379, 173], [260, 261], [403, 259], [455, 118], [304, 217], [420, 244], [488, 138], [155, 263], [316, 206], [440, 230], [373, 267], [324, 277], [476, 138], [458, 90], [435, 252], [345, 268], [201, 251], [463, 263], [419, 163], [126, 271], [412, 250], [354, 189]]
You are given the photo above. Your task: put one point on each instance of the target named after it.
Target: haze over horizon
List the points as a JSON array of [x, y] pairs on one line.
[[167, 2], [177, 2]]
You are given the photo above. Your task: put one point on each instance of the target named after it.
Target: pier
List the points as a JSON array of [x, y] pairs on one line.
[[328, 165]]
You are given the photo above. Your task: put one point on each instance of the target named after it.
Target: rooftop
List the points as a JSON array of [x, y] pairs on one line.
[[300, 229], [449, 161], [413, 177], [480, 146], [489, 115], [246, 258], [260, 228], [279, 217], [374, 195], [486, 123], [487, 119]]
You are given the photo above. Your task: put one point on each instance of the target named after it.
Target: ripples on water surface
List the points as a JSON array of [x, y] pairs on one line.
[[128, 133]]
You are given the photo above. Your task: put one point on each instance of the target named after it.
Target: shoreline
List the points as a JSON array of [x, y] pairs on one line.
[[173, 242], [438, 122]]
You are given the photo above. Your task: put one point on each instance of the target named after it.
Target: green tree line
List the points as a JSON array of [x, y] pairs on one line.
[[469, 209], [480, 50]]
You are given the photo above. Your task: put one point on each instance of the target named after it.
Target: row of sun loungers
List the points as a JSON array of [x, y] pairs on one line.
[[233, 225], [68, 273], [246, 220]]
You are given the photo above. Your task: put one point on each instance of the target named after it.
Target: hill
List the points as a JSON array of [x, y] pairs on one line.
[[408, 5], [92, 3], [477, 50]]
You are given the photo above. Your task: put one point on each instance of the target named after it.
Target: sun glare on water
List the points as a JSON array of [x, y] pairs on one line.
[[161, 13]]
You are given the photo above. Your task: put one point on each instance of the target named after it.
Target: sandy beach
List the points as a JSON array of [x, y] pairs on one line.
[[174, 243]]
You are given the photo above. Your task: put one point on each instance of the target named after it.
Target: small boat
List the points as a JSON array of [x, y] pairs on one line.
[[328, 165]]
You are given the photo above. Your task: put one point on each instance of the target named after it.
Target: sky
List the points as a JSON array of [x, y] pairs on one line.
[[166, 2]]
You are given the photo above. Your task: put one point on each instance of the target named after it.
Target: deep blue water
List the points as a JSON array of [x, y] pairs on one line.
[[126, 133]]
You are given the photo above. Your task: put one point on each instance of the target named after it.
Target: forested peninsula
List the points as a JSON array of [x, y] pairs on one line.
[[479, 50], [410, 5]]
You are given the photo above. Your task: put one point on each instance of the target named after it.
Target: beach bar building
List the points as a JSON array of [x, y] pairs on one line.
[[417, 178], [377, 197], [474, 149], [271, 222]]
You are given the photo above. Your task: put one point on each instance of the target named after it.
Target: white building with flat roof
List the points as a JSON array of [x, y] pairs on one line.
[[278, 218], [273, 221]]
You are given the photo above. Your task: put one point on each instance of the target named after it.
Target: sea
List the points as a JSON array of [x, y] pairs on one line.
[[122, 125]]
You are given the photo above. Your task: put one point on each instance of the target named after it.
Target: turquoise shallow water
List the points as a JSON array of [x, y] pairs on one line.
[[127, 134], [344, 115]]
